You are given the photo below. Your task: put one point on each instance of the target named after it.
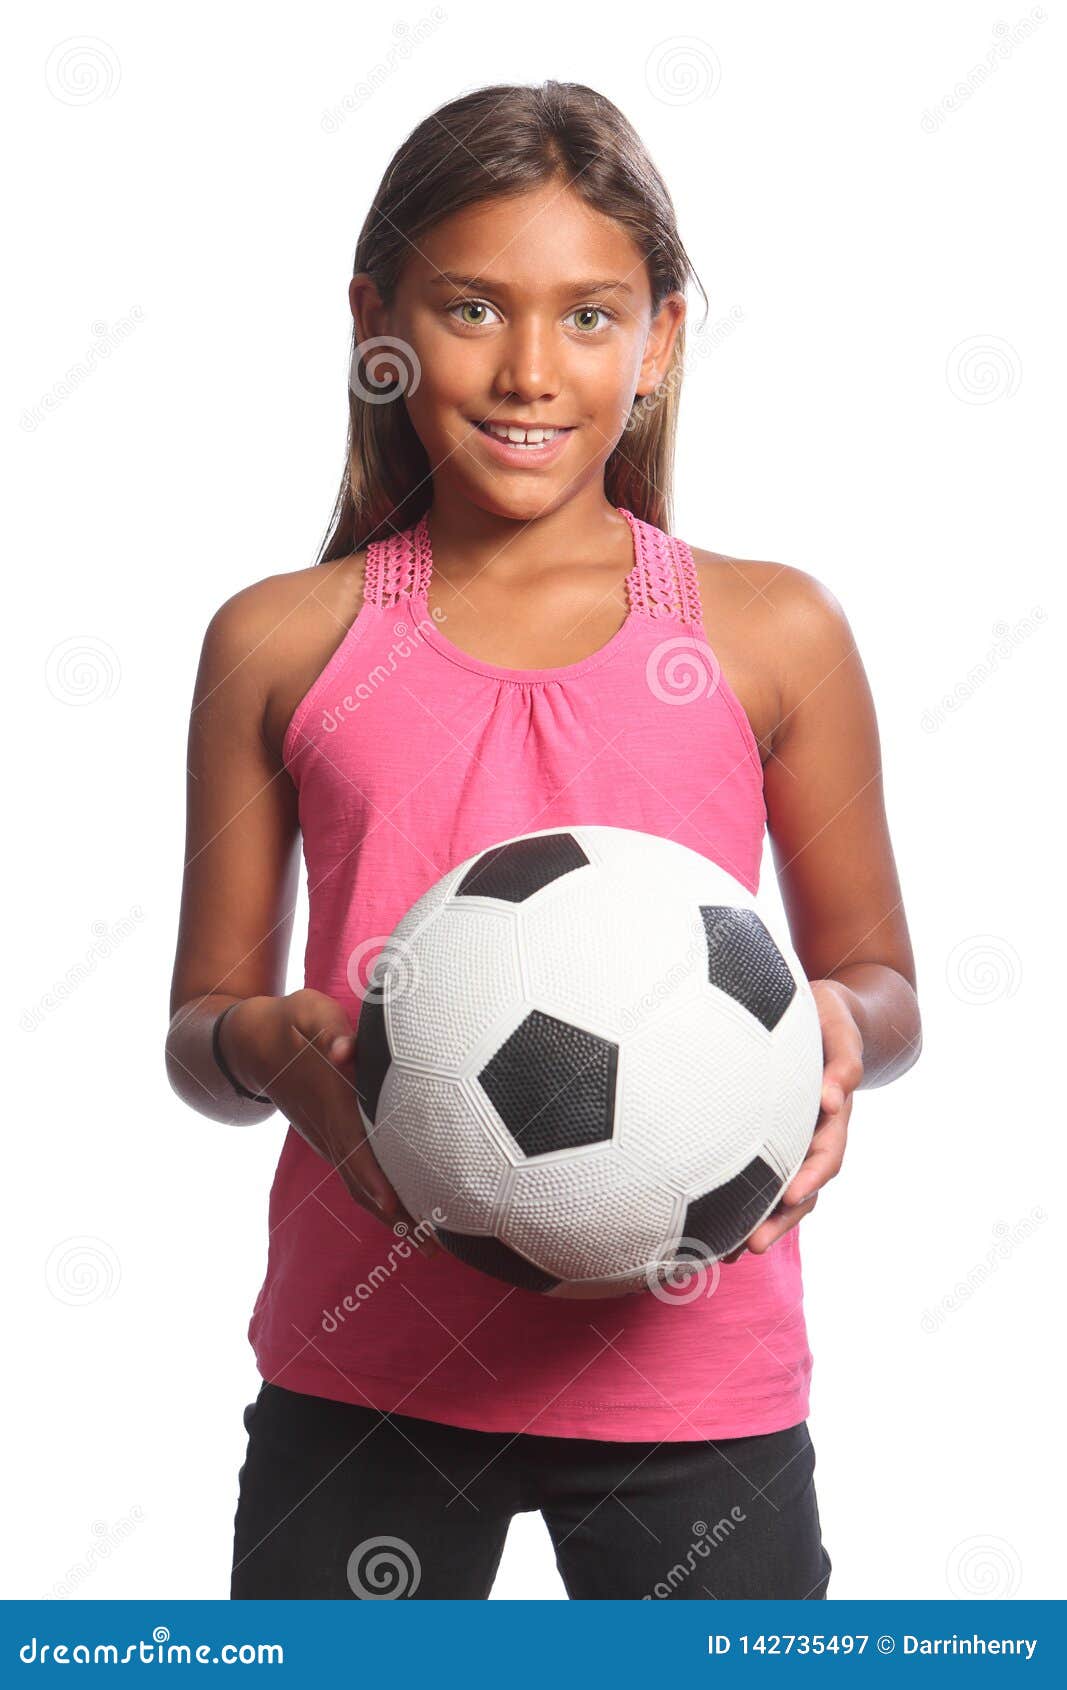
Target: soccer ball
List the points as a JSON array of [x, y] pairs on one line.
[[586, 1060]]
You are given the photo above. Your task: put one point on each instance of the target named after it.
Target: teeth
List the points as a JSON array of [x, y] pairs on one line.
[[521, 436]]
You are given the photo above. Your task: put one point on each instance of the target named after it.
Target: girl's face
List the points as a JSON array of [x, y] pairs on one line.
[[530, 310]]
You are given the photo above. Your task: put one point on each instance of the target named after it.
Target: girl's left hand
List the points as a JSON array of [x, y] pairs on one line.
[[842, 1045]]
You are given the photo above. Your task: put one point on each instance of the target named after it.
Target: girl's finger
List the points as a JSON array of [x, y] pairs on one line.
[[833, 1093], [842, 1061], [423, 1240], [395, 1217], [778, 1223], [404, 1225], [825, 1152], [821, 1163]]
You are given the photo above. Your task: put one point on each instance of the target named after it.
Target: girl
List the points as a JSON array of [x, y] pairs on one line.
[[489, 646]]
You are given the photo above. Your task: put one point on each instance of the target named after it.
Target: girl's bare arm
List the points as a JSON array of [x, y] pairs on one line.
[[828, 827], [242, 856]]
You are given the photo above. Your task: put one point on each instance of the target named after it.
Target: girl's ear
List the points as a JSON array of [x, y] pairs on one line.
[[365, 303], [659, 346]]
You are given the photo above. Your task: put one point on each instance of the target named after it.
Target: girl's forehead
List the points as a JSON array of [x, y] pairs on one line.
[[545, 233]]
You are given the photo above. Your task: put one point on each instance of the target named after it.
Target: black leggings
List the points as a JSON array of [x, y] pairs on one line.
[[337, 1500]]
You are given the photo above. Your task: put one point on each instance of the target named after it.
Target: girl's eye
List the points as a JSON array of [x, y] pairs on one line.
[[471, 305], [479, 305], [590, 311]]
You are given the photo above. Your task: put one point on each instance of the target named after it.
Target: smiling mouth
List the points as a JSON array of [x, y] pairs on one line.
[[532, 438]]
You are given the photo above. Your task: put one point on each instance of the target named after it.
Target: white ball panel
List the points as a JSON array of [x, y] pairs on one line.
[[441, 1010], [589, 1216], [660, 862], [696, 1095], [664, 866], [435, 1154], [592, 952]]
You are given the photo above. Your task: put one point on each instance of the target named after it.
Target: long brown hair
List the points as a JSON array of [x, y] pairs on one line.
[[522, 137]]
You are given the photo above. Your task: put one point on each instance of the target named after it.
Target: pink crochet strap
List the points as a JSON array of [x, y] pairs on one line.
[[399, 564], [662, 583]]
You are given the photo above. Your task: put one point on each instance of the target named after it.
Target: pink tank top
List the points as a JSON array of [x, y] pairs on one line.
[[409, 756]]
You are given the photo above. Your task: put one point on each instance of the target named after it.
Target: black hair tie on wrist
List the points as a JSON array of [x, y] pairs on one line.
[[220, 1060]]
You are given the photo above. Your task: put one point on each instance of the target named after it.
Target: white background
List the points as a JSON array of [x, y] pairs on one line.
[[884, 413]]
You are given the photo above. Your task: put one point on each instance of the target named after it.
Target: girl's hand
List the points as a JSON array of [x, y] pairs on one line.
[[300, 1051], [842, 1073]]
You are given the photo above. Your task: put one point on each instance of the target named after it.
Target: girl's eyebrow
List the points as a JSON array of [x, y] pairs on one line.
[[448, 278]]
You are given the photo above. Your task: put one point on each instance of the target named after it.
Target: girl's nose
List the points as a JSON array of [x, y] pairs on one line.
[[528, 364]]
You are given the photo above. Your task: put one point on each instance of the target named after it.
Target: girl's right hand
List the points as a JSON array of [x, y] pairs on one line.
[[300, 1051]]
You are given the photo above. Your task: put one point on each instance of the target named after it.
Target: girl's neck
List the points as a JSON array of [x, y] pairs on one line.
[[467, 540]]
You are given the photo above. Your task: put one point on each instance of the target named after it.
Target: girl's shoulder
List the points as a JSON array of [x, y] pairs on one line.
[[774, 628], [731, 584], [283, 630]]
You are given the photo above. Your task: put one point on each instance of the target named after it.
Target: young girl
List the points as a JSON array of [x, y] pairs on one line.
[[502, 636]]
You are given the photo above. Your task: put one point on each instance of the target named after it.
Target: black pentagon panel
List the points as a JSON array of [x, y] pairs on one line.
[[723, 1218], [553, 1085], [372, 1055], [489, 1255], [745, 962], [515, 871]]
